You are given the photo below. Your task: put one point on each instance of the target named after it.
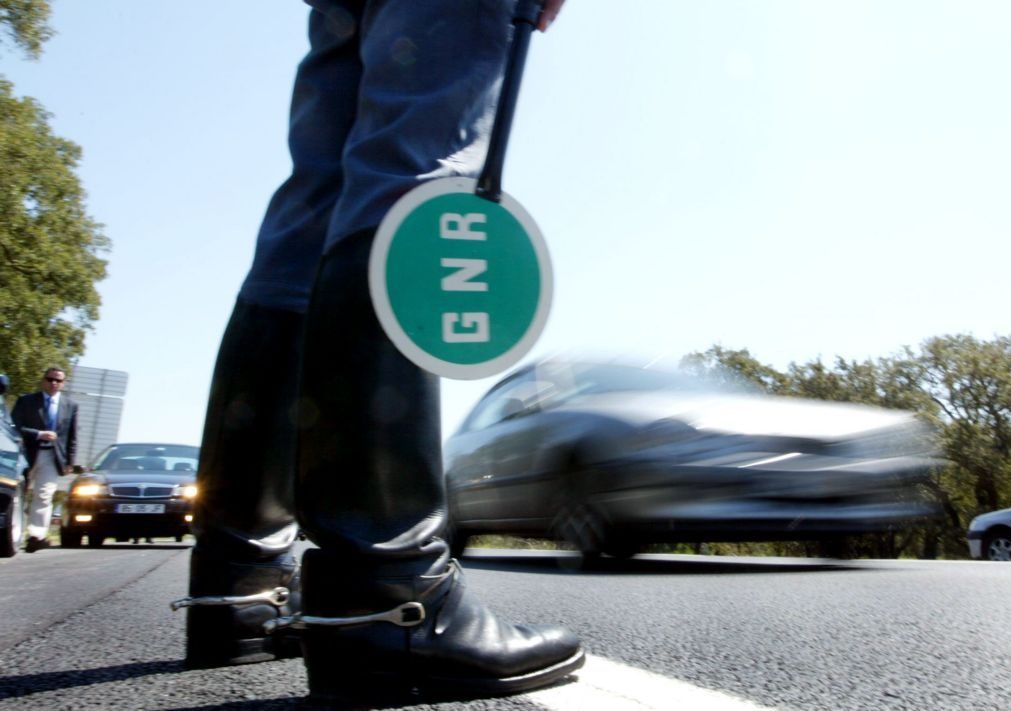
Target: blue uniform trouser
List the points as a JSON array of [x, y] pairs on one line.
[[391, 93]]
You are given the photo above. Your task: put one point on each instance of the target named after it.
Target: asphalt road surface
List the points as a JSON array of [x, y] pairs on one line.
[[91, 629]]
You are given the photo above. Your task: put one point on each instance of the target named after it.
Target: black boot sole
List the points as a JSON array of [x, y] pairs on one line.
[[329, 685], [206, 653]]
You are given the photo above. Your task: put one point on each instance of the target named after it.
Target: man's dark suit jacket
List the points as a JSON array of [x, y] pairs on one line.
[[29, 416]]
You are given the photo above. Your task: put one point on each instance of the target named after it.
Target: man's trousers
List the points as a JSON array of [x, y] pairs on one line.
[[44, 477]]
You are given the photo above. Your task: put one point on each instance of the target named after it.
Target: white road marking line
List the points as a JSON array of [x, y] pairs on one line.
[[603, 684]]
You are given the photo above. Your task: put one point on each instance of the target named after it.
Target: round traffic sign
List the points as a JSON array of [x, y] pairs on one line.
[[461, 285]]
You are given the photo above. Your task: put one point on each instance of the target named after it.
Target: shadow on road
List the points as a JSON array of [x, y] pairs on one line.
[[27, 684], [373, 700], [541, 562]]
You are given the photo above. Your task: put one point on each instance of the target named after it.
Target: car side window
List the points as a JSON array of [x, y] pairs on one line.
[[522, 396], [494, 407]]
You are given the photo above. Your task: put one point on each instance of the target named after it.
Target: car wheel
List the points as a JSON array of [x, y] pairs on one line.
[[997, 546], [622, 550], [95, 540], [834, 549], [10, 540], [70, 539], [582, 529]]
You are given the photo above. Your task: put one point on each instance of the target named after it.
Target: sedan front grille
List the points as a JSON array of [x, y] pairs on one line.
[[141, 491]]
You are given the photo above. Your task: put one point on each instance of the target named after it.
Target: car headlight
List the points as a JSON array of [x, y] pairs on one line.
[[186, 491], [88, 490]]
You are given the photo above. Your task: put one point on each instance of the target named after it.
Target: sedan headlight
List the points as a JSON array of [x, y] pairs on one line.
[[185, 491], [86, 490]]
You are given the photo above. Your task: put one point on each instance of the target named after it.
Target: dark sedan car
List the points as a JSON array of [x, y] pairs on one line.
[[132, 491], [610, 457]]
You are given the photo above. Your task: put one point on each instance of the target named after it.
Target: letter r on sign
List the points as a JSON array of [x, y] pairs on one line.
[[453, 225]]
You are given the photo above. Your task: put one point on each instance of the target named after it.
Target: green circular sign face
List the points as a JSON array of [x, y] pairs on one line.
[[461, 285]]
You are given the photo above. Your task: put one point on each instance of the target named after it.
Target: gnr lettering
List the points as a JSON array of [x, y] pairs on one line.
[[469, 326]]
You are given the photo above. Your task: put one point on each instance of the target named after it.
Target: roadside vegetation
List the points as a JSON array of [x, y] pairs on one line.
[[50, 249]]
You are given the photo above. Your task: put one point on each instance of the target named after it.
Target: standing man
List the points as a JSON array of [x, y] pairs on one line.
[[315, 420], [47, 421]]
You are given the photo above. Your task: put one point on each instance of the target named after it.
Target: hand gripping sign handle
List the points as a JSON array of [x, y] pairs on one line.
[[489, 183]]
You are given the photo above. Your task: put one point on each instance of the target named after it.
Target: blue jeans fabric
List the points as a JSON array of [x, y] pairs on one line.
[[391, 93]]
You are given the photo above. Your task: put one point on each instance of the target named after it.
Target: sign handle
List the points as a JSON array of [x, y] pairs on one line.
[[489, 183]]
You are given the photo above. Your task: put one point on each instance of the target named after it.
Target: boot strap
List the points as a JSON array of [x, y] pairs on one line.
[[277, 597], [410, 614]]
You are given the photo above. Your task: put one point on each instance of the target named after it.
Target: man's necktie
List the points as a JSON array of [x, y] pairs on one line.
[[51, 412]]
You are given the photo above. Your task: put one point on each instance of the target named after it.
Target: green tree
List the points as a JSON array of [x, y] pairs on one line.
[[892, 382], [733, 367], [49, 247], [27, 23], [970, 382]]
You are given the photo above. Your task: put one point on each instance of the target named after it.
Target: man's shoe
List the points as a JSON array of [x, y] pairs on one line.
[[427, 634], [229, 604], [36, 544]]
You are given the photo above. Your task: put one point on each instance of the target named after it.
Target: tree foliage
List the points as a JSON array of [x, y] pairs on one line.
[[49, 247], [27, 23], [959, 384], [724, 366]]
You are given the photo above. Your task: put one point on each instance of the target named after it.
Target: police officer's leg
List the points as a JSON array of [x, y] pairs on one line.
[[244, 523], [370, 486], [244, 516], [371, 495]]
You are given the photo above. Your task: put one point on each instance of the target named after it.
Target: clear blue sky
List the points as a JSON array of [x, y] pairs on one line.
[[802, 179]]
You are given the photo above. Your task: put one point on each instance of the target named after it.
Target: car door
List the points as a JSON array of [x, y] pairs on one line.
[[469, 459], [524, 467], [486, 474]]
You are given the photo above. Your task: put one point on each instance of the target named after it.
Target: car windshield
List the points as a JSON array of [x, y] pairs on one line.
[[607, 378], [149, 458], [567, 380]]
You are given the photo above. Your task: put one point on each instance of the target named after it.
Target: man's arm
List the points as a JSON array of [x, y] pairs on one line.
[[24, 409], [21, 415]]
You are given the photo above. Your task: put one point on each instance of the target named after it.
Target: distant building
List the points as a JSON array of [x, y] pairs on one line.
[[99, 394]]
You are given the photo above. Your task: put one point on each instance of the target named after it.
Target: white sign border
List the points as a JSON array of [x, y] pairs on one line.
[[384, 309]]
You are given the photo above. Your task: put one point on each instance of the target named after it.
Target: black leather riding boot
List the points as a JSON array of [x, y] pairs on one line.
[[244, 518], [371, 494]]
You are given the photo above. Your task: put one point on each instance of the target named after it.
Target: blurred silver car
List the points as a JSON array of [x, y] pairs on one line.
[[989, 536], [610, 457]]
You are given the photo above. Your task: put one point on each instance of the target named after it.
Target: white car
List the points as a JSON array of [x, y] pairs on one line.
[[990, 536]]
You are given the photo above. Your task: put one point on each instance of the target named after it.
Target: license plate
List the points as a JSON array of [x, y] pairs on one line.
[[140, 508]]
